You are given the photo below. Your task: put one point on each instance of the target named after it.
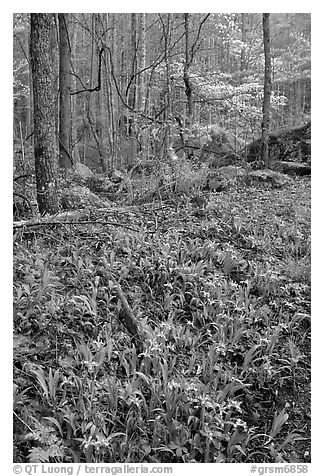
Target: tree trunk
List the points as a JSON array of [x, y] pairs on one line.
[[243, 33], [267, 91], [65, 160], [186, 76], [167, 30], [134, 80], [42, 48], [112, 105], [100, 111], [141, 61], [74, 134], [29, 99]]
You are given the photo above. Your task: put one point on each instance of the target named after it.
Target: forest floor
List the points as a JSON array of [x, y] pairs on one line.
[[222, 295]]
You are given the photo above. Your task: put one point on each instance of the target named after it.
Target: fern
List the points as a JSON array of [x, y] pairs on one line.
[[49, 445], [38, 455], [45, 455]]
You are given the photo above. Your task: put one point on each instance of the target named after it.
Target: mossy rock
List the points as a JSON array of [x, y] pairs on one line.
[[268, 178], [292, 168], [81, 169], [78, 197], [99, 184], [224, 177]]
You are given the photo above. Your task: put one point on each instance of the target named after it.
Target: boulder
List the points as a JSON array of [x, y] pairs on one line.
[[228, 176], [292, 145], [224, 177], [99, 184], [292, 168], [267, 177], [82, 170], [76, 197]]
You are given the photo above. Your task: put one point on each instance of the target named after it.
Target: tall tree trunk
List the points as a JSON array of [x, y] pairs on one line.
[[167, 30], [243, 33], [29, 99], [74, 135], [100, 148], [84, 100], [100, 110], [186, 76], [267, 91], [42, 47], [65, 159], [133, 86], [141, 61], [112, 98], [189, 58]]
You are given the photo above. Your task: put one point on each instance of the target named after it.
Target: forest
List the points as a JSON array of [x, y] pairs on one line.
[[162, 238]]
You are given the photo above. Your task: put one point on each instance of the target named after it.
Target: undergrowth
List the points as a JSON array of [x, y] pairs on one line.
[[223, 300]]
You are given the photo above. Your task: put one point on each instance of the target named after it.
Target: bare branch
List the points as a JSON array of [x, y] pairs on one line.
[[98, 87], [193, 51]]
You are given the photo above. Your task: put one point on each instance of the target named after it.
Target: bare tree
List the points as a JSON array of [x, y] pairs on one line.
[[74, 135], [167, 26], [141, 61], [243, 33], [186, 66], [267, 91], [42, 48], [65, 160], [190, 51]]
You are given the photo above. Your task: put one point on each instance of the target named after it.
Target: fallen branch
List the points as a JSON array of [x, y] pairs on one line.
[[126, 315], [58, 219], [15, 179], [127, 318], [16, 194], [65, 220]]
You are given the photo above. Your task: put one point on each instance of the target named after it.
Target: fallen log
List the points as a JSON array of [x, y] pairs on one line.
[[63, 218], [66, 218]]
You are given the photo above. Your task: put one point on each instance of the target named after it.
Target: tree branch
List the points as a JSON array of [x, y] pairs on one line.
[[126, 314], [98, 87], [197, 38]]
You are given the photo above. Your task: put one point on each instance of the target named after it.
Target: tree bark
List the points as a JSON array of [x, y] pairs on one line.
[[141, 61], [132, 88], [243, 33], [186, 76], [112, 105], [167, 30], [65, 159], [100, 111], [42, 49], [29, 97], [74, 135], [267, 91]]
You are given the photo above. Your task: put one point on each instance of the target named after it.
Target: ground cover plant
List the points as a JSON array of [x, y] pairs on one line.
[[220, 288]]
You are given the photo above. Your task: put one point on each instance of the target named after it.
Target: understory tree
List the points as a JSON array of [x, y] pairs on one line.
[[267, 91], [65, 159]]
